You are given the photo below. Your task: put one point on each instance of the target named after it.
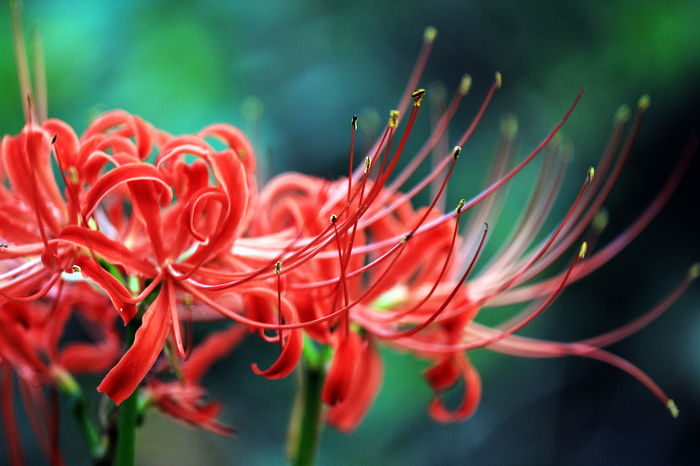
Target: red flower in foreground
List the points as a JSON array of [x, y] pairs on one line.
[[127, 225]]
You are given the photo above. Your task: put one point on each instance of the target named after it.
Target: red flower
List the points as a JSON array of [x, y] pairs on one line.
[[154, 224], [356, 254]]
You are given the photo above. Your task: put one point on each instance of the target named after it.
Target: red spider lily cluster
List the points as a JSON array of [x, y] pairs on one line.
[[172, 229]]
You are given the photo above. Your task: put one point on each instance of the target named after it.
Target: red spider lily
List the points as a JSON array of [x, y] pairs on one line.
[[181, 217], [201, 220], [356, 255]]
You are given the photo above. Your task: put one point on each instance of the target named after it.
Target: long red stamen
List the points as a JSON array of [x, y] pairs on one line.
[[507, 284], [620, 242], [352, 148], [455, 155], [33, 297], [507, 332], [342, 283], [175, 320], [428, 38], [475, 200], [645, 319], [491, 189], [539, 206], [278, 272], [54, 437], [577, 228], [395, 316], [444, 305]]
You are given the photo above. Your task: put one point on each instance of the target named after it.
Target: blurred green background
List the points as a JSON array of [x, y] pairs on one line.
[[310, 66]]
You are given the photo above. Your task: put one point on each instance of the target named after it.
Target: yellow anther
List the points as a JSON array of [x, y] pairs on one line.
[[334, 218], [622, 114], [509, 127], [53, 139], [429, 34], [460, 205], [368, 163], [72, 174], [644, 102], [407, 237], [600, 221], [418, 96], [465, 84], [582, 252], [278, 267], [456, 151], [591, 172], [187, 300], [241, 153], [354, 122], [76, 268], [499, 80], [694, 271], [394, 118], [671, 405]]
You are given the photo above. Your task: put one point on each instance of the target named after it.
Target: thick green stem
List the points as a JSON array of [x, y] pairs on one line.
[[128, 413], [305, 425]]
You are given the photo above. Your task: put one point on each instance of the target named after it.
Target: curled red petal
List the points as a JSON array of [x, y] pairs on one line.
[[346, 416], [143, 137], [443, 375], [194, 207], [112, 251], [294, 343], [343, 370], [123, 174], [472, 394], [67, 145], [144, 198], [26, 158], [123, 379], [236, 140], [16, 345], [109, 284], [128, 126]]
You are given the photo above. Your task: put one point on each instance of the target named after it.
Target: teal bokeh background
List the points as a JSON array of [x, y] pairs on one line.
[[312, 65]]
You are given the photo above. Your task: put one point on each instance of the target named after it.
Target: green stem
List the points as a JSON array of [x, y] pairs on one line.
[[126, 439], [305, 425]]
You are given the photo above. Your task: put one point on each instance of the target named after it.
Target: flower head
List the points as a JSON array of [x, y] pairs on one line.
[[361, 265]]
